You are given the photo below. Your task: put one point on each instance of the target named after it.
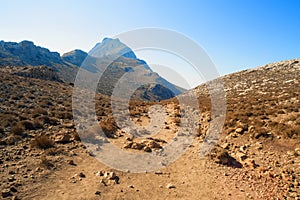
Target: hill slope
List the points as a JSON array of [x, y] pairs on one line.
[[257, 156]]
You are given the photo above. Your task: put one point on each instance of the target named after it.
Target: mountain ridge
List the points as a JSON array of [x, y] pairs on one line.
[[27, 54]]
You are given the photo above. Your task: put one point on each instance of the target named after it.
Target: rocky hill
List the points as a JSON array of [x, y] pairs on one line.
[[257, 155], [26, 54]]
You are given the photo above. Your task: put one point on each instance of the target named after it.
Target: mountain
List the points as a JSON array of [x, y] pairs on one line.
[[66, 66], [26, 53], [75, 57]]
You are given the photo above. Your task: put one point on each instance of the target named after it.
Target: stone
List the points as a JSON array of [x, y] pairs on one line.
[[147, 149], [239, 130], [128, 145], [170, 186], [225, 145], [68, 125], [97, 193], [13, 189], [99, 173], [11, 178], [110, 175], [81, 175], [154, 145], [138, 146], [71, 162], [64, 138], [6, 193]]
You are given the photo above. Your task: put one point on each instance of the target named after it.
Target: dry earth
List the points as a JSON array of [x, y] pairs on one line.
[[257, 155]]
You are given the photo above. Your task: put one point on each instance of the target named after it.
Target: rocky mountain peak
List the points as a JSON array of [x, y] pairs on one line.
[[112, 47]]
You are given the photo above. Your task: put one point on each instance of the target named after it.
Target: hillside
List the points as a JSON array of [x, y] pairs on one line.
[[256, 157]]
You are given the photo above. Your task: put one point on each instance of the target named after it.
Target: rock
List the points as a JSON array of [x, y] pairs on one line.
[[71, 162], [65, 138], [97, 193], [243, 148], [258, 146], [99, 173], [138, 146], [170, 186], [11, 178], [290, 153], [68, 125], [147, 149], [158, 172], [103, 182], [242, 156], [81, 175], [110, 175], [225, 145], [154, 145], [239, 130], [128, 145], [13, 189], [6, 193], [233, 135]]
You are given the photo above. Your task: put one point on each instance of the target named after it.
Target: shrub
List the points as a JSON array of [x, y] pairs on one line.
[[46, 162], [39, 111], [28, 125], [109, 127], [43, 142], [17, 129]]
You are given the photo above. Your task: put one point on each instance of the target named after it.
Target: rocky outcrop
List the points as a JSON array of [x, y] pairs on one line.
[[26, 53], [75, 57]]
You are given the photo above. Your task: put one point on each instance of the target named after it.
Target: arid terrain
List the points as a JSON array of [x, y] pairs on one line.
[[257, 155]]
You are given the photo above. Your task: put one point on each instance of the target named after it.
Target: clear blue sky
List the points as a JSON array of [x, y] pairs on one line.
[[237, 34]]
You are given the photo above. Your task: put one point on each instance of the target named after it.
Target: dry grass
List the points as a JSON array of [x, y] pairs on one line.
[[17, 129], [43, 142]]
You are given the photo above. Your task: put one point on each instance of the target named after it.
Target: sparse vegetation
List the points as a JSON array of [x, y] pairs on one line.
[[43, 142]]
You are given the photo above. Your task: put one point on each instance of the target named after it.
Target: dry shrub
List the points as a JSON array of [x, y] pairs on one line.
[[38, 124], [12, 139], [53, 121], [18, 129], [28, 125], [7, 119], [54, 151], [109, 127], [45, 162], [43, 142], [39, 111], [64, 115], [90, 134]]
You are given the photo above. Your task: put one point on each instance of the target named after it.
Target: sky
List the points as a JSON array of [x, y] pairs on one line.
[[236, 34]]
